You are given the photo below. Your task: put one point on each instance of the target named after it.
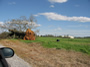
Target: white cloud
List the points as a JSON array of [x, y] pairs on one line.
[[55, 16], [52, 6], [58, 29], [57, 1], [12, 3], [1, 23]]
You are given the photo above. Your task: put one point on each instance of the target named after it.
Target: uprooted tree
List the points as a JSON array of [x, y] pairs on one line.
[[17, 27]]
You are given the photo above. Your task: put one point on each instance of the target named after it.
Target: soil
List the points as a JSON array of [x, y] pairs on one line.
[[38, 56]]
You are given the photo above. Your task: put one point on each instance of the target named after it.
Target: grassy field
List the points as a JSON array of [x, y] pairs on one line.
[[81, 45], [39, 53]]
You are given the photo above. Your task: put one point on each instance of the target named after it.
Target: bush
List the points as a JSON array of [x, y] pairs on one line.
[[4, 35]]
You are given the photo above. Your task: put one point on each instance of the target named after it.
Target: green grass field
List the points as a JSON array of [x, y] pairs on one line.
[[81, 45]]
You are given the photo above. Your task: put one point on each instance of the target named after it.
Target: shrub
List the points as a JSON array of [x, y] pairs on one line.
[[4, 35]]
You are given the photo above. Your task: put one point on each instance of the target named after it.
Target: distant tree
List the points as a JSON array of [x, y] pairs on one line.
[[60, 36], [20, 25], [48, 35], [4, 35]]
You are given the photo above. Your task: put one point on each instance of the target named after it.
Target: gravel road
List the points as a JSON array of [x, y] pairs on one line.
[[16, 61]]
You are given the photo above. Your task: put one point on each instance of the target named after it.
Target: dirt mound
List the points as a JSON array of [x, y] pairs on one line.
[[39, 56], [30, 35]]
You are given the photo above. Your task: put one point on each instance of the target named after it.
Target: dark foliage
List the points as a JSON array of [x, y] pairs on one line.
[[17, 34], [12, 34], [4, 35]]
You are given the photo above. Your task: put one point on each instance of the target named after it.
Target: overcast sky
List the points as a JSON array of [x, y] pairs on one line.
[[57, 17]]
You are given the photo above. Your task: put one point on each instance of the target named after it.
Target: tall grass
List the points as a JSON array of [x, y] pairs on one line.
[[81, 45]]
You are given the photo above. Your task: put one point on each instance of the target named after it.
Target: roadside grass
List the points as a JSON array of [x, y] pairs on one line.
[[81, 45]]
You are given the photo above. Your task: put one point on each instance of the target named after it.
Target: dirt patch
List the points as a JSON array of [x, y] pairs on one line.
[[39, 56]]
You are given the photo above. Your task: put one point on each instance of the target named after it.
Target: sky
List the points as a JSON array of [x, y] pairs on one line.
[[56, 17]]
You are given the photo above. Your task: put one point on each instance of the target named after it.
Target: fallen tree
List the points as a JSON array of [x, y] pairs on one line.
[[16, 34], [16, 27]]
